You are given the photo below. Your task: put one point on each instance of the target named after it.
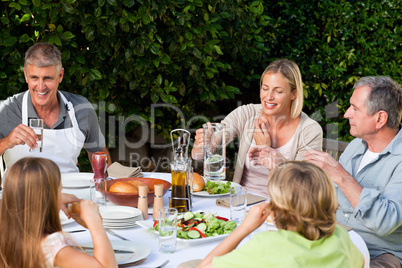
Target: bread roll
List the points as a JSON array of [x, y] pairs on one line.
[[136, 183], [74, 209], [123, 187], [198, 182]]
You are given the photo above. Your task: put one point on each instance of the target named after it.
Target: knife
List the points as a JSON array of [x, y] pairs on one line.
[[117, 235], [76, 231], [115, 250]]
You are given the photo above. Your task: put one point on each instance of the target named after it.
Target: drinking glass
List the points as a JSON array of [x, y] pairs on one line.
[[167, 230], [37, 126], [94, 192], [99, 183], [238, 204], [214, 151], [99, 165]]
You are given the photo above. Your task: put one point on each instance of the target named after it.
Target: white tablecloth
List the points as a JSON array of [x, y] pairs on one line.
[[183, 253]]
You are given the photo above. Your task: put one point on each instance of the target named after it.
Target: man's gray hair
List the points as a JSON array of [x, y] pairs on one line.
[[386, 95], [43, 55]]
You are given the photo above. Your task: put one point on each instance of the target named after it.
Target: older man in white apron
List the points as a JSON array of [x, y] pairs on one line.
[[67, 129]]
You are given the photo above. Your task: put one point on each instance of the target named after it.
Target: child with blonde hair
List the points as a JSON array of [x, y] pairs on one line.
[[31, 234], [302, 206]]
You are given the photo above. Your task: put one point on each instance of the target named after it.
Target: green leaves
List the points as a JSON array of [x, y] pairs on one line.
[[68, 35], [10, 41], [95, 74], [15, 5], [194, 54]]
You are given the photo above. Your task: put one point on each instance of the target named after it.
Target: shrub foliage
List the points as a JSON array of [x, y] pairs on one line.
[[194, 54]]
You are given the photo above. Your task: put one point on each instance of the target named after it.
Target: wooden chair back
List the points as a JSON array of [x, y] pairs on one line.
[[333, 147]]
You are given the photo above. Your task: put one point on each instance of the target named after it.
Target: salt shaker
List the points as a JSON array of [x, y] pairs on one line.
[[158, 200], [143, 200]]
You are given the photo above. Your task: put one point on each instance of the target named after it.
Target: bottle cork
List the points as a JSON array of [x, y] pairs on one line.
[[158, 200], [143, 200]]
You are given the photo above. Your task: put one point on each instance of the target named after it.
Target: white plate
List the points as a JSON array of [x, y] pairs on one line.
[[119, 212], [121, 221], [76, 180], [133, 219], [64, 219], [206, 194], [147, 224], [120, 226], [141, 251]]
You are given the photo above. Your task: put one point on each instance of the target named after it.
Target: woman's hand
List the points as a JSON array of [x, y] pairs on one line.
[[265, 156], [261, 132], [197, 152], [199, 138]]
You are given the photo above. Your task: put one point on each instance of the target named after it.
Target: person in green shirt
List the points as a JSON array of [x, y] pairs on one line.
[[302, 206]]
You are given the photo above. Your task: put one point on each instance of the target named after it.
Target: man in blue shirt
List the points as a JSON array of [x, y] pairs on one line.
[[368, 177]]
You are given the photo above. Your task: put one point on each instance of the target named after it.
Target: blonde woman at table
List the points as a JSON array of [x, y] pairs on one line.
[[277, 124], [31, 234], [302, 206]]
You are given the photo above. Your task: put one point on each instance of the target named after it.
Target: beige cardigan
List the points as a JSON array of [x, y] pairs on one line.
[[240, 123]]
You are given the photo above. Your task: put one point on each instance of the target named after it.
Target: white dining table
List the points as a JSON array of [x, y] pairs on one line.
[[184, 252]]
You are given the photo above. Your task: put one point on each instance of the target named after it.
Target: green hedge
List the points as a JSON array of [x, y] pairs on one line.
[[198, 54], [335, 43], [134, 53]]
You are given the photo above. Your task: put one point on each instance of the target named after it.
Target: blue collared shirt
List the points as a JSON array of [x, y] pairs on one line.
[[378, 215]]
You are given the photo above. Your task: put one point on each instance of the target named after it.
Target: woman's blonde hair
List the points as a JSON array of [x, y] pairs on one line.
[[302, 196], [292, 75], [29, 211]]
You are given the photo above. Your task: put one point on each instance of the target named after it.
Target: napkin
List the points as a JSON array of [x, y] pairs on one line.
[[117, 170], [251, 199]]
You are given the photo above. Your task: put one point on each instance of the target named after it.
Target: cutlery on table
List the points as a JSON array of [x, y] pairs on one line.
[[121, 251], [163, 264], [143, 266], [131, 264], [116, 235], [77, 231]]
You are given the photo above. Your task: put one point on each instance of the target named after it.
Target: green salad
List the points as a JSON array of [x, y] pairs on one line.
[[201, 225], [217, 187]]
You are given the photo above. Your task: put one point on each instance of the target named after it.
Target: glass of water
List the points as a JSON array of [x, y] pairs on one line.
[[37, 126], [167, 230], [95, 193], [214, 151], [238, 204]]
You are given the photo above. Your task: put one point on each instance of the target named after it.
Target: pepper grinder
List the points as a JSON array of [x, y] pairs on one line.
[[143, 200], [158, 200]]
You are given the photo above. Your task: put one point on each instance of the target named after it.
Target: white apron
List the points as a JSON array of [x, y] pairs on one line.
[[63, 146]]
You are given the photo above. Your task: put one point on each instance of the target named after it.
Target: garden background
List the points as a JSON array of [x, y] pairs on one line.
[[160, 65]]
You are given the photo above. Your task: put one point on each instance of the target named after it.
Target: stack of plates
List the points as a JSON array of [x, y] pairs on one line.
[[120, 216]]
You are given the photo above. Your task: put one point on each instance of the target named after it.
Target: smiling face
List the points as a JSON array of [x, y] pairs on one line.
[[361, 124], [42, 84], [276, 95]]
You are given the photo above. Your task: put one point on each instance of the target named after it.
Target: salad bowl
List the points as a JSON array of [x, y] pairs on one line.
[[190, 241]]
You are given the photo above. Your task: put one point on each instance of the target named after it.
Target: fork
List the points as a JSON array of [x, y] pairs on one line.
[[163, 264], [116, 235], [142, 261]]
